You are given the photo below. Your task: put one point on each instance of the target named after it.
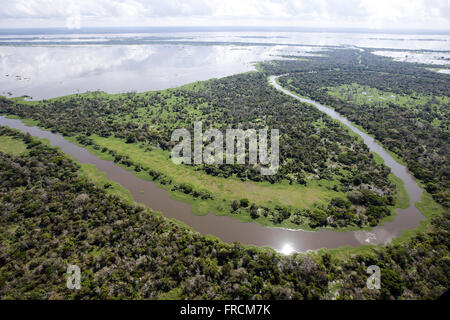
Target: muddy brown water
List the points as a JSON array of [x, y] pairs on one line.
[[229, 229]]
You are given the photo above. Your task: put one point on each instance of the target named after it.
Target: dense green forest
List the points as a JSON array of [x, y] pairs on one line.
[[409, 113], [313, 147], [50, 216]]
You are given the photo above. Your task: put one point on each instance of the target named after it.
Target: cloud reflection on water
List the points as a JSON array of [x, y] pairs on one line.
[[50, 71]]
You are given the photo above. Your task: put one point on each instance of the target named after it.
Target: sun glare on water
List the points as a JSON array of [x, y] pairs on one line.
[[287, 249]]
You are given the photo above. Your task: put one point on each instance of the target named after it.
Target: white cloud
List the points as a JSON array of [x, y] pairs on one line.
[[73, 21], [318, 13]]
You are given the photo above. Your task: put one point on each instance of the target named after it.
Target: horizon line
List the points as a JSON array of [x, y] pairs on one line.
[[236, 28]]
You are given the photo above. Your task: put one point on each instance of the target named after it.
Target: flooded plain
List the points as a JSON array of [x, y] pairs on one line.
[[43, 72], [51, 65]]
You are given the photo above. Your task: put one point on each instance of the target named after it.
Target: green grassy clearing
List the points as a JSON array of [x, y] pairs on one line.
[[367, 95], [12, 146]]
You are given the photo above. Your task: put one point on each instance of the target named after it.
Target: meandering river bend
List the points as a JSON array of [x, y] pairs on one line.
[[229, 229]]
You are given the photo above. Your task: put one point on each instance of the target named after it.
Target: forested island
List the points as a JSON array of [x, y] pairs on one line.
[[54, 212]]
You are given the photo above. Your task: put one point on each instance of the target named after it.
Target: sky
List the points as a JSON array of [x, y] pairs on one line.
[[368, 14]]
